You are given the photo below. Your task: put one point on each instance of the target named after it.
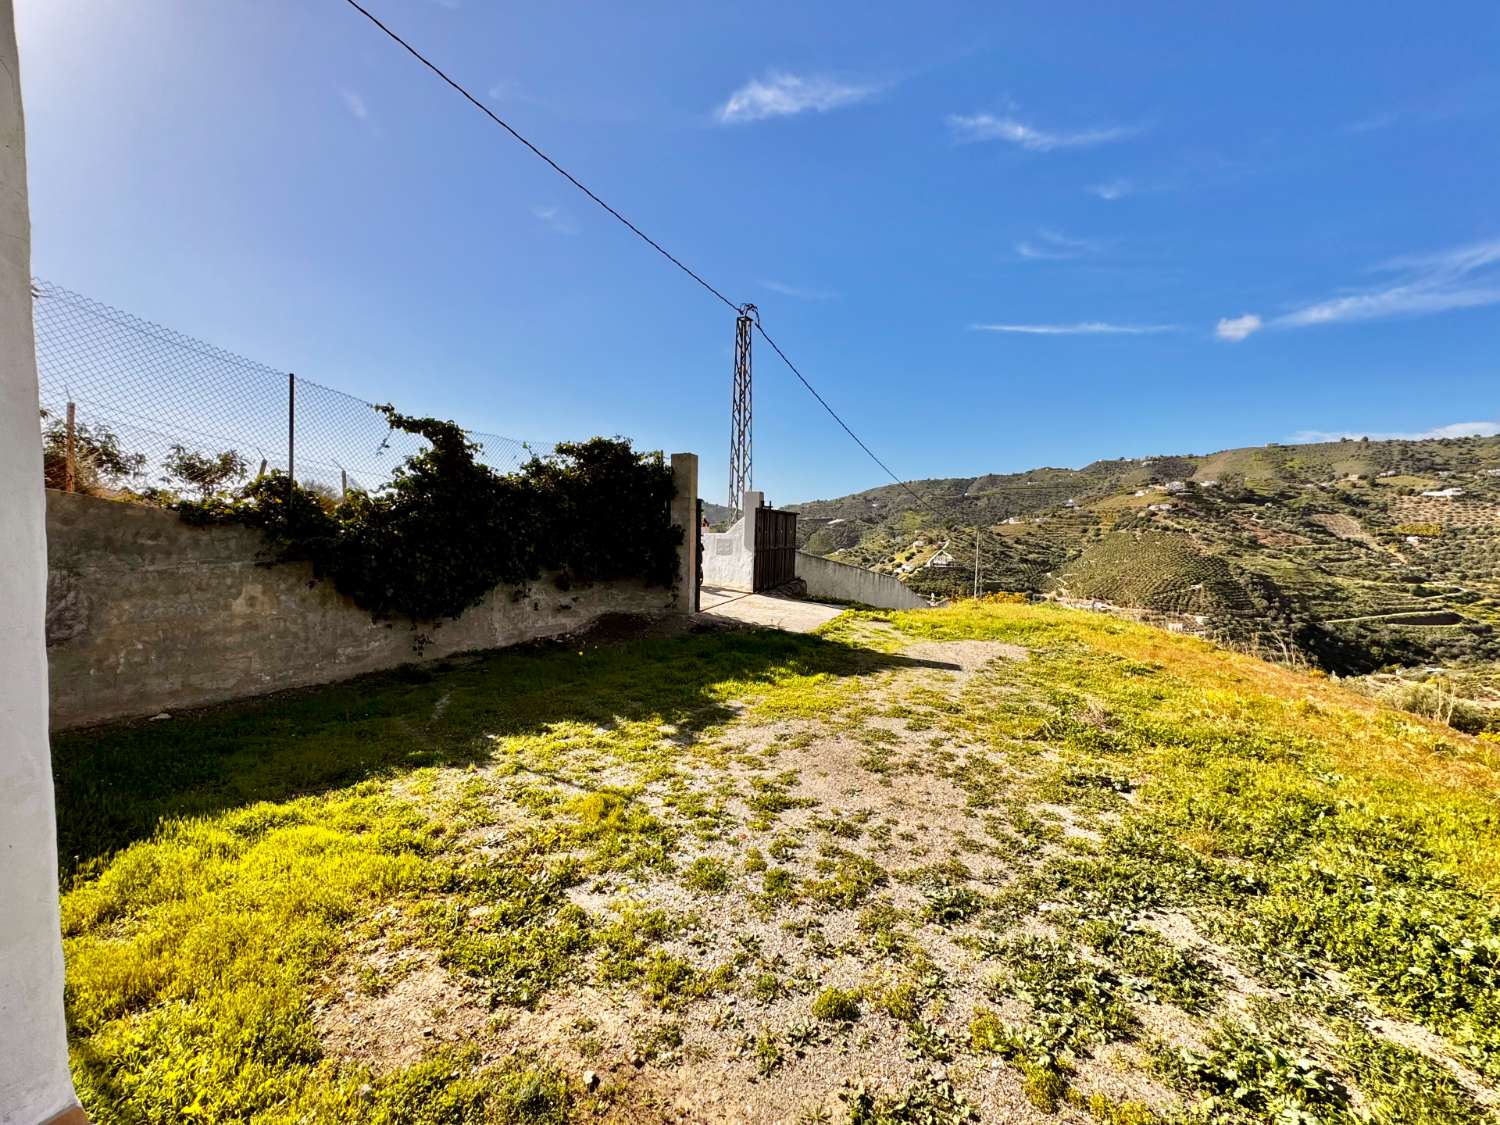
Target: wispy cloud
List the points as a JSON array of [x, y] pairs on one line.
[[1236, 328], [554, 217], [1083, 328], [1462, 277], [1053, 246], [1113, 189], [1472, 98], [1452, 430], [511, 90], [355, 104], [1374, 123], [978, 127], [785, 95], [798, 291]]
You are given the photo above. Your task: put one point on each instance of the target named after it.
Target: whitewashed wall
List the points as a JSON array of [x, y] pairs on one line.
[[34, 1082]]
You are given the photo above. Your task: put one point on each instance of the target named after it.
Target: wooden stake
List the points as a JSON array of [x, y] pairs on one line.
[[70, 461]]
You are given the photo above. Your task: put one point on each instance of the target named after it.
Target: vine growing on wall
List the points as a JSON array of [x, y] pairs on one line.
[[447, 529]]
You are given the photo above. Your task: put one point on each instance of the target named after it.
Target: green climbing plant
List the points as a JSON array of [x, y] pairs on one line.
[[447, 529]]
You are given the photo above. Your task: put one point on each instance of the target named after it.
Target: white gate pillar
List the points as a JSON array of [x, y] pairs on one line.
[[34, 1081]]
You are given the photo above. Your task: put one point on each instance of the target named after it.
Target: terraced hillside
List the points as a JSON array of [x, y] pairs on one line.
[[1355, 555]]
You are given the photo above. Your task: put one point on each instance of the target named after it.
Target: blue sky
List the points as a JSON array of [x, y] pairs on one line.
[[994, 236]]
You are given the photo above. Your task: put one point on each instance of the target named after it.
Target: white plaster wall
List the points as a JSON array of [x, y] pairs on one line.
[[727, 560], [839, 582], [729, 556], [34, 1082]]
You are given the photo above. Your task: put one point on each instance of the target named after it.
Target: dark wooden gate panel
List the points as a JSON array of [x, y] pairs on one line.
[[775, 548]]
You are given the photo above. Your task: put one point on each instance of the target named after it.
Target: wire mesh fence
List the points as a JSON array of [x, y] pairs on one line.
[[142, 397]]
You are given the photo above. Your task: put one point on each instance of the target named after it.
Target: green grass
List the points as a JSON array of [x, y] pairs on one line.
[[518, 819], [215, 865]]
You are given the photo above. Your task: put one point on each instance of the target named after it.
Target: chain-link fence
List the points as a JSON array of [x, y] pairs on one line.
[[142, 397]]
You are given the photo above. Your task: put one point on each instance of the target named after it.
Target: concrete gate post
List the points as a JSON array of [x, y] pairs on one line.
[[34, 1081], [750, 500], [685, 516]]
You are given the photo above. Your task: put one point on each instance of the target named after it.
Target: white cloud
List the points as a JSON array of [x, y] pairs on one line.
[[798, 292], [987, 127], [556, 218], [1462, 277], [1083, 328], [355, 104], [1452, 430], [1236, 328], [1459, 278], [784, 95], [1053, 246], [1112, 189]]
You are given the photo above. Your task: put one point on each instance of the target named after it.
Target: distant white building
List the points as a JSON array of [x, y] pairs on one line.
[[1443, 493], [1159, 507], [941, 560], [1208, 484], [1175, 486]]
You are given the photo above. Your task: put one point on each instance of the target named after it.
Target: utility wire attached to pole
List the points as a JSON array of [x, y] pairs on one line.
[[660, 249]]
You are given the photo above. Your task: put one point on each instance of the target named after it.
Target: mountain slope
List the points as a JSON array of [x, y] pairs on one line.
[[1356, 554]]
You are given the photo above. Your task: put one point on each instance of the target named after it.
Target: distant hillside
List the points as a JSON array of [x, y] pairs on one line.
[[716, 514], [1358, 554]]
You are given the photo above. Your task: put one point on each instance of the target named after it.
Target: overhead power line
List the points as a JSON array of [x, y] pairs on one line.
[[639, 233], [918, 497], [556, 167]]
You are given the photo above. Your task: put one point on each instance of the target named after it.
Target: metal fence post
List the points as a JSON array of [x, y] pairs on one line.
[[291, 437]]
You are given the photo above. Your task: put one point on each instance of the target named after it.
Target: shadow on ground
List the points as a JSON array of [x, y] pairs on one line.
[[115, 784]]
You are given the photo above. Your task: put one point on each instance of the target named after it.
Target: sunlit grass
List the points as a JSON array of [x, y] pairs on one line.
[[220, 867]]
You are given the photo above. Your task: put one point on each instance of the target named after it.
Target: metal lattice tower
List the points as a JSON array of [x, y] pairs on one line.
[[740, 474]]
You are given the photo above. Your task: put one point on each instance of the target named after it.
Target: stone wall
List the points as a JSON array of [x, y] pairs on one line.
[[827, 580], [146, 614]]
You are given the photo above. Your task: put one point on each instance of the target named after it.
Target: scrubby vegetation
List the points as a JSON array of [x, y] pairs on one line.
[[1001, 860], [448, 529], [445, 530], [100, 461]]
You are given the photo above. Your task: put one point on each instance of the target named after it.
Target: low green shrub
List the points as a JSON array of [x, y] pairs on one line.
[[836, 1005]]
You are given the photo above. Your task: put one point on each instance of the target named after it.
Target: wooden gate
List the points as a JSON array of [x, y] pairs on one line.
[[775, 548]]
